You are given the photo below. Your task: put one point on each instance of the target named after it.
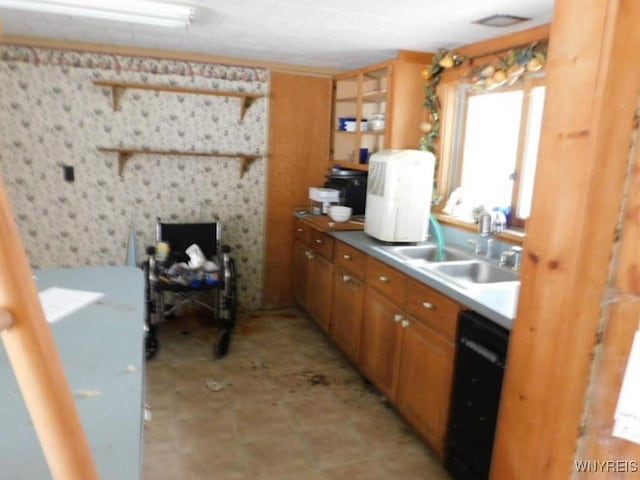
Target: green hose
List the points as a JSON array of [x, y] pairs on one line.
[[437, 229]]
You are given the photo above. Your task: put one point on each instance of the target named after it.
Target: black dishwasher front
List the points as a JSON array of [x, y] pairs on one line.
[[479, 369]]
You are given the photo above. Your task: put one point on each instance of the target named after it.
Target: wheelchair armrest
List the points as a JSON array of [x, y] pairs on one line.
[[151, 250]]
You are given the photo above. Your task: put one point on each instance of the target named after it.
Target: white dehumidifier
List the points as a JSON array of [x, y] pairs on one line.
[[399, 191]]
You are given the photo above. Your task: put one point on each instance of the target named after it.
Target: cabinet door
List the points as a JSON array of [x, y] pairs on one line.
[[360, 97], [319, 283], [346, 316], [373, 107], [380, 342], [346, 89], [299, 278], [425, 379]]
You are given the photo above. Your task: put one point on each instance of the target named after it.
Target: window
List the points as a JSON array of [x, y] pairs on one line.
[[497, 149]]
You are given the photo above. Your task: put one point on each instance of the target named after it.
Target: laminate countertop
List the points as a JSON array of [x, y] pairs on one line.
[[497, 302]]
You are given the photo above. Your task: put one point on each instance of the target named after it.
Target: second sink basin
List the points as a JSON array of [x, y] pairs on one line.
[[427, 253], [473, 273]]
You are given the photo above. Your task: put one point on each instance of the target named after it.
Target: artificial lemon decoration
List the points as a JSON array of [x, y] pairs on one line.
[[446, 62], [488, 71], [534, 64], [426, 127], [499, 77]]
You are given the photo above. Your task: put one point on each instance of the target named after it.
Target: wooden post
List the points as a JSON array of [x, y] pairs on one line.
[[593, 84], [36, 363]]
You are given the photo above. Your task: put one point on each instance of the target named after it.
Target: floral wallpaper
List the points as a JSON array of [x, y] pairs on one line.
[[52, 115]]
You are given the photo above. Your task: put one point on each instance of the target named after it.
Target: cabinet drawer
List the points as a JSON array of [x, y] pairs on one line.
[[322, 243], [351, 259], [301, 231], [387, 280], [433, 309]]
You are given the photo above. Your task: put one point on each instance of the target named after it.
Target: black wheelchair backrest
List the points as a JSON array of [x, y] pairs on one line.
[[181, 236]]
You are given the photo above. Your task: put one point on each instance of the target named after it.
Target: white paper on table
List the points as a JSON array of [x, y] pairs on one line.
[[626, 423], [59, 302]]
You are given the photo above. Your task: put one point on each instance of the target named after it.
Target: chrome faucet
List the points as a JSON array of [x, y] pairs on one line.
[[488, 225], [516, 253]]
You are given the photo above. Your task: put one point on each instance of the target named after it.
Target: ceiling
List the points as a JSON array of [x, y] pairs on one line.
[[337, 34]]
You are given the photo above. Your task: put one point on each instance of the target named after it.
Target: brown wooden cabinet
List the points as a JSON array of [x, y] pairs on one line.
[[381, 342], [386, 90], [424, 383], [383, 314], [319, 288], [428, 355], [348, 296], [408, 347], [299, 272], [312, 280], [398, 331]]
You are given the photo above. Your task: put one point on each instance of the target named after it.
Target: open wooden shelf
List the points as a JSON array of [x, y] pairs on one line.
[[118, 88], [124, 154]]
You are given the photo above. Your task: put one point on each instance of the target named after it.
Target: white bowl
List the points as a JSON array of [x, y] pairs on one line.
[[338, 213]]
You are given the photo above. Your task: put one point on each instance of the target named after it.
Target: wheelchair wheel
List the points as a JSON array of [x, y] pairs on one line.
[[230, 295], [221, 347], [152, 345]]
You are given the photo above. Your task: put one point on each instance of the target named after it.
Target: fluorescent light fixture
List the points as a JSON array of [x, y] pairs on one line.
[[135, 11], [500, 20]]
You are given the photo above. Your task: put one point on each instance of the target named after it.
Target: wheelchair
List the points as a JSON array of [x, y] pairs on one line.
[[215, 291]]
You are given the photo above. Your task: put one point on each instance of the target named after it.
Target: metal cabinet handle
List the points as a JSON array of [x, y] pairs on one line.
[[405, 323], [300, 230], [428, 305], [319, 242], [346, 278], [397, 317], [346, 256], [382, 278]]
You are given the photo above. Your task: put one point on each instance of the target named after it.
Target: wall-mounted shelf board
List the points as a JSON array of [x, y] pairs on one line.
[[118, 88], [124, 154]]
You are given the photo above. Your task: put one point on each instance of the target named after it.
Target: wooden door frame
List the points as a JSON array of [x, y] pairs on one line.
[[592, 92]]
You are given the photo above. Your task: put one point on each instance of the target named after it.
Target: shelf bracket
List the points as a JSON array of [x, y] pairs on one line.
[[245, 164], [123, 158], [116, 95], [247, 101]]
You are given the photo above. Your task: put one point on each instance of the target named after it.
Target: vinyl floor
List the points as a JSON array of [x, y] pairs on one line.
[[284, 404]]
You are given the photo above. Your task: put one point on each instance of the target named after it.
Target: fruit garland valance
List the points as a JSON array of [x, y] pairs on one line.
[[505, 70]]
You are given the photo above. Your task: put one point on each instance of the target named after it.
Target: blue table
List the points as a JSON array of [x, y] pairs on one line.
[[102, 350]]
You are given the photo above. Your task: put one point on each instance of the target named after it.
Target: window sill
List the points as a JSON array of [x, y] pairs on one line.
[[510, 235]]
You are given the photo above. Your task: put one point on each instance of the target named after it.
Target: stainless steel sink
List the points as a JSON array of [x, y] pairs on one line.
[[474, 272], [427, 253]]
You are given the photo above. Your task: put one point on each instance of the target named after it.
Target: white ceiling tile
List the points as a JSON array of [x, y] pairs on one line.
[[331, 33]]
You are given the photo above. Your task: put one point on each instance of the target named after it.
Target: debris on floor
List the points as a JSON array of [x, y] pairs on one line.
[[214, 386], [318, 379]]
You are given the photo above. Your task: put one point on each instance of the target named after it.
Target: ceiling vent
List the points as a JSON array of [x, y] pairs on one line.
[[501, 20]]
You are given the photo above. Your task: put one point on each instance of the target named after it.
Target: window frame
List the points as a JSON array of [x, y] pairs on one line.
[[454, 99]]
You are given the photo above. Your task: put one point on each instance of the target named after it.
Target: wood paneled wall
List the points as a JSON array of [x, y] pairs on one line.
[[299, 129], [593, 83]]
